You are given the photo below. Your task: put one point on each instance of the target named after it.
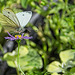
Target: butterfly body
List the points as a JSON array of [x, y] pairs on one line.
[[14, 22]]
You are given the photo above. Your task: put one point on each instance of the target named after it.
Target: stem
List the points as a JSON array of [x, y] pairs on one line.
[[16, 68], [19, 68], [17, 71], [28, 46], [45, 61], [18, 53], [44, 55]]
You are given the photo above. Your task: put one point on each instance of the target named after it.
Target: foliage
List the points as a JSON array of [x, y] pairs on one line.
[[29, 59], [67, 57], [53, 50]]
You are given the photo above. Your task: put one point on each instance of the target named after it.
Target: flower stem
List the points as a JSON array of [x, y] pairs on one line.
[[16, 68], [18, 53], [17, 71], [19, 68]]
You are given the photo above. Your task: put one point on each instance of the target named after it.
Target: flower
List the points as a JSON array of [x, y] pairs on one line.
[[17, 37]]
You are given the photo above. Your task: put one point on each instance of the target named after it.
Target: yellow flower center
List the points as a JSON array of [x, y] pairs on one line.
[[17, 36]]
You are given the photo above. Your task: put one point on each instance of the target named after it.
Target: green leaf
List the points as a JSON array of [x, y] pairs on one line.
[[23, 51], [28, 61], [69, 73], [12, 63], [10, 56], [67, 55], [32, 60], [54, 67], [32, 44], [24, 3], [72, 70]]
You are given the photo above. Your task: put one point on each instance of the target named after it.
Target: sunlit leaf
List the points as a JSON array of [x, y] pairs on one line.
[[54, 67], [10, 56], [67, 55], [28, 61]]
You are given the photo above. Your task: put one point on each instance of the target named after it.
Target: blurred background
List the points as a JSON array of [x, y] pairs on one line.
[[52, 49]]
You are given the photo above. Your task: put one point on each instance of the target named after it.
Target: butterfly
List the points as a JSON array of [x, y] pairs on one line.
[[12, 22]]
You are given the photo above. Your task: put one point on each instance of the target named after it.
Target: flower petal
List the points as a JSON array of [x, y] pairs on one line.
[[22, 34], [26, 37], [10, 34], [16, 38]]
